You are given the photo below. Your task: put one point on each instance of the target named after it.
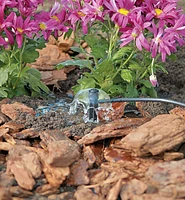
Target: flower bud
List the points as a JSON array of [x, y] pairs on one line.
[[153, 80]]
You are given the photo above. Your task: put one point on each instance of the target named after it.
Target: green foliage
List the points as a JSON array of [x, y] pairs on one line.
[[17, 78], [118, 71]]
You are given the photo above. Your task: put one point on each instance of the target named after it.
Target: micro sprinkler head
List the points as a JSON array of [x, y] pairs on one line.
[[89, 100], [93, 104]]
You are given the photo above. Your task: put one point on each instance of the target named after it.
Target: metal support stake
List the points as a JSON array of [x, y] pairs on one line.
[[93, 104]]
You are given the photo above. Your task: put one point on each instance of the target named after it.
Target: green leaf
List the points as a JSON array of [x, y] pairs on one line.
[[30, 54], [131, 91], [115, 90], [24, 71], [119, 54], [20, 90], [99, 51], [172, 57], [105, 69], [4, 76], [84, 83], [126, 75], [98, 45], [106, 85], [41, 43], [135, 66], [3, 92], [146, 83], [152, 92], [80, 63], [87, 82], [34, 83], [44, 88], [160, 66], [77, 49], [91, 40], [36, 73], [68, 34], [3, 57], [143, 90]]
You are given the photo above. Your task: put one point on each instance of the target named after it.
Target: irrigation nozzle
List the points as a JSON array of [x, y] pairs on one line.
[[93, 104]]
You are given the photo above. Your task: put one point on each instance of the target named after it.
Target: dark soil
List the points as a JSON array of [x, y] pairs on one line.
[[171, 85]]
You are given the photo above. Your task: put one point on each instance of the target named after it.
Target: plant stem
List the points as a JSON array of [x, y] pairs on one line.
[[21, 66], [152, 70], [152, 66], [126, 61], [76, 33], [113, 39]]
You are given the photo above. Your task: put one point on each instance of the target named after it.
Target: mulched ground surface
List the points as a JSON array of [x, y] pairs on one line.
[[99, 165]]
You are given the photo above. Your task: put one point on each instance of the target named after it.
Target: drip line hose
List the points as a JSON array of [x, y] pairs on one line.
[[141, 100]]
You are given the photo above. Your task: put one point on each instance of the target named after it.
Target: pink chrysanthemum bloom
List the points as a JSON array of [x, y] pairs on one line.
[[162, 43], [93, 11], [5, 25], [52, 21], [135, 32], [120, 11], [27, 7], [75, 14], [178, 30], [23, 27], [162, 10]]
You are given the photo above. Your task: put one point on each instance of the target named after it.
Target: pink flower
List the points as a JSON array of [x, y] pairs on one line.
[[120, 11], [153, 80], [178, 30], [162, 42], [94, 10], [3, 42], [5, 25], [162, 10], [27, 7], [22, 27], [75, 14], [52, 21], [135, 32]]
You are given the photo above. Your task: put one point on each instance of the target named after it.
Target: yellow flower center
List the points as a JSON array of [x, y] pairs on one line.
[[158, 11], [123, 11], [81, 14], [134, 35], [20, 30], [42, 26], [100, 8], [56, 18]]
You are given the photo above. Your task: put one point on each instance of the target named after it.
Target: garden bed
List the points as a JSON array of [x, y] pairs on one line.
[[58, 156], [46, 153]]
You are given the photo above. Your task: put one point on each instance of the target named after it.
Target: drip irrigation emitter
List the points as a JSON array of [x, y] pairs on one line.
[[94, 102]]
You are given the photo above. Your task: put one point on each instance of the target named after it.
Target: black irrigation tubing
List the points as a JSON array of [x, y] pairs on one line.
[[141, 100]]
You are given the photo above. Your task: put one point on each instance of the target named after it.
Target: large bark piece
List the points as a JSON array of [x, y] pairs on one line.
[[24, 165], [121, 160], [62, 151], [79, 174], [83, 193], [14, 110], [156, 136], [116, 128], [168, 177], [48, 58], [134, 187]]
